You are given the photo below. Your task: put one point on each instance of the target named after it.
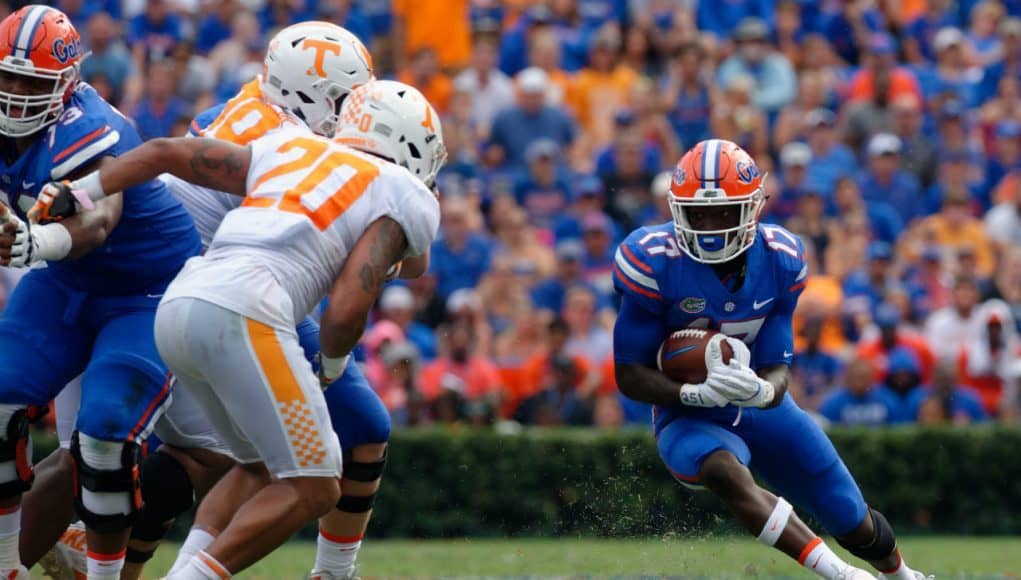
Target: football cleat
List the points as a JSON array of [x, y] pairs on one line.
[[325, 575], [918, 576], [67, 560]]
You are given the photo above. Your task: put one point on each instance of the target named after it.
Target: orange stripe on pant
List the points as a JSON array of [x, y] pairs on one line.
[[302, 432]]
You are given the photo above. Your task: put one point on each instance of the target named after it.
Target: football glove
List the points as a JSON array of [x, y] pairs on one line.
[[57, 200], [330, 369], [740, 385], [702, 395]]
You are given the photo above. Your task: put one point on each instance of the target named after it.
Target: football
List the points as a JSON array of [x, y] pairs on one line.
[[682, 355]]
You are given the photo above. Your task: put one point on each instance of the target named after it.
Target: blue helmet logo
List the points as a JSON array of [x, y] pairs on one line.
[[747, 172], [65, 51], [679, 176]]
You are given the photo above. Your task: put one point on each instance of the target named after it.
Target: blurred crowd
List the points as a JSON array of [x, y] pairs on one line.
[[890, 129]]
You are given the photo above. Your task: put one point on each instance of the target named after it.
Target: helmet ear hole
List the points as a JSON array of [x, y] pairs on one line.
[[414, 151]]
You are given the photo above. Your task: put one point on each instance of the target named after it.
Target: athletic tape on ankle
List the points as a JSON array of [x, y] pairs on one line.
[[776, 523]]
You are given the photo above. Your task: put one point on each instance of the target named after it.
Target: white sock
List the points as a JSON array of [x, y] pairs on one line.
[[201, 567], [336, 555], [10, 527], [901, 572], [819, 558], [198, 539], [105, 566]]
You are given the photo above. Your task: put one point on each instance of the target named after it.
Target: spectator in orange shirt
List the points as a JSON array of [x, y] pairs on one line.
[[442, 25], [954, 228], [537, 373], [891, 336], [598, 90], [461, 384], [424, 74], [881, 69]]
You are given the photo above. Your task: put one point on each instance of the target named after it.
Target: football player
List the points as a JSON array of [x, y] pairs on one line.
[[91, 310], [715, 267], [192, 456], [317, 215]]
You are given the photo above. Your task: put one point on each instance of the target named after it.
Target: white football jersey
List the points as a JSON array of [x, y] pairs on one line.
[[309, 200]]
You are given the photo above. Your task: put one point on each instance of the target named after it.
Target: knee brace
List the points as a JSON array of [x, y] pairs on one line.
[[362, 471], [883, 542], [107, 500], [167, 492], [15, 451]]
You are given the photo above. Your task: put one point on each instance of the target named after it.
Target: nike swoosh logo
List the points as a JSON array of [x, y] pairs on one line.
[[154, 296], [816, 563], [787, 354], [775, 524], [756, 305], [679, 351], [27, 185]]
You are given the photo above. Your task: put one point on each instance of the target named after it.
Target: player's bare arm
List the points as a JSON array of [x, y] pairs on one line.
[[645, 384], [359, 285], [207, 162], [778, 376], [210, 163]]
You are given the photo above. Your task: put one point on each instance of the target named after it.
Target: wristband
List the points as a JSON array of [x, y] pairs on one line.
[[88, 189], [332, 368], [691, 396], [52, 242]]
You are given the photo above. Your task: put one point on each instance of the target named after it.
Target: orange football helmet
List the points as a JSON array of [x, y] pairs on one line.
[[716, 197], [40, 56]]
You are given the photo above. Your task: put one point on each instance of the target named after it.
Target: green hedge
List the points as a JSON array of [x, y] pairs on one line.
[[461, 482]]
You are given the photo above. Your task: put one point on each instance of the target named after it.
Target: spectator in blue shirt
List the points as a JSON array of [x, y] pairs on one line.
[[721, 18], [775, 82], [955, 173], [215, 26], [870, 284], [397, 304], [885, 180], [153, 33], [953, 73], [946, 401], [160, 110], [903, 377], [548, 295], [1008, 65], [795, 158], [514, 45], [831, 158], [1006, 153], [846, 23], [685, 88], [920, 32], [587, 196], [531, 119], [109, 57], [884, 222], [813, 370], [543, 192], [860, 402], [597, 233], [348, 14], [459, 257]]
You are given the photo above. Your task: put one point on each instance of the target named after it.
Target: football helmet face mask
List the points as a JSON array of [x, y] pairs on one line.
[[40, 56], [393, 120], [716, 197], [310, 67]]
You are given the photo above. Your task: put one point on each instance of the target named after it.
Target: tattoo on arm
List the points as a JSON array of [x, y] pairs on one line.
[[387, 247], [219, 165]]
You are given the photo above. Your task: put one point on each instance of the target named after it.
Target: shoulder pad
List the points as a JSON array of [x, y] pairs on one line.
[[85, 131], [788, 253], [640, 261]]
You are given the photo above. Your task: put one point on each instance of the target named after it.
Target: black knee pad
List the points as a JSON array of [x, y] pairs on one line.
[[883, 543], [365, 472], [15, 447], [167, 492], [123, 480]]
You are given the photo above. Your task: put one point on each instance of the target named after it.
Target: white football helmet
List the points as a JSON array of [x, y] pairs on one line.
[[310, 67], [393, 120]]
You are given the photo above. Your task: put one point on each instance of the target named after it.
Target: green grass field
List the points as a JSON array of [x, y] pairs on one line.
[[947, 557]]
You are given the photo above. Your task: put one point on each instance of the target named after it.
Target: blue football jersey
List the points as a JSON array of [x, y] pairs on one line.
[[664, 290], [154, 236], [205, 119]]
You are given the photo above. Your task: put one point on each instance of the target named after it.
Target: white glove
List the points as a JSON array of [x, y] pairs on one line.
[[42, 243], [330, 369], [702, 395], [741, 352], [740, 385]]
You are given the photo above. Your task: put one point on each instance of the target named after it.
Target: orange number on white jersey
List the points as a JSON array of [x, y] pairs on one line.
[[318, 162]]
